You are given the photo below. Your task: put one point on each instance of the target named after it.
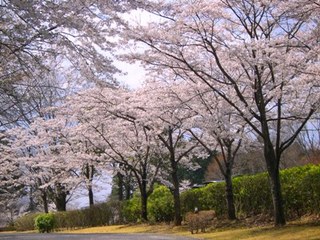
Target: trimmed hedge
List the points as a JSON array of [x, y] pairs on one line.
[[26, 222], [300, 189], [97, 215]]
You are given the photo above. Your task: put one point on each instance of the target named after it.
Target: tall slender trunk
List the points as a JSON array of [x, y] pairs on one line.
[[144, 200], [88, 172], [90, 190], [229, 195], [274, 176], [45, 201], [120, 186], [90, 194], [128, 191], [176, 195], [32, 205]]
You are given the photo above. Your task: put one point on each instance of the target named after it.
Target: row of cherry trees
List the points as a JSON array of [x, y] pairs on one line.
[[261, 58], [224, 76], [47, 50], [152, 131]]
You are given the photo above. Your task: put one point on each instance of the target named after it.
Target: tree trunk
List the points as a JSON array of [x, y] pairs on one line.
[[120, 186], [277, 199], [144, 201], [89, 173], [229, 195], [90, 193], [176, 197], [32, 206], [60, 198], [45, 202], [274, 176], [128, 191], [61, 203]]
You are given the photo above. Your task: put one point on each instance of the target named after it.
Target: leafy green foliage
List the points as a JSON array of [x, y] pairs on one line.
[[211, 196], [161, 205], [45, 222], [131, 209], [252, 195]]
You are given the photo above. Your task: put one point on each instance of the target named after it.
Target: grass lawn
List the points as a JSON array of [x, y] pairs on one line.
[[290, 232]]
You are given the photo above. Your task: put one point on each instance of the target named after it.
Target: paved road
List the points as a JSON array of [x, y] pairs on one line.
[[107, 236]]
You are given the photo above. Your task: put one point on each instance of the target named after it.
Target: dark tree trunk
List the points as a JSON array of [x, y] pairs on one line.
[[176, 196], [144, 196], [60, 198], [274, 176], [228, 159], [90, 193], [128, 191], [61, 203], [88, 172], [120, 186], [32, 205], [229, 195], [144, 202], [44, 198], [91, 171]]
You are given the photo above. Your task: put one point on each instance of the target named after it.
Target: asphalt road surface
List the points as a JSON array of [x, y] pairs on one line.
[[107, 236]]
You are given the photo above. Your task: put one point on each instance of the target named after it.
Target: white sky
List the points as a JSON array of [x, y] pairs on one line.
[[135, 74]]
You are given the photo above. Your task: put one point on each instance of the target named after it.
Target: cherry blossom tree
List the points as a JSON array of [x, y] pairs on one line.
[[222, 131], [41, 41], [42, 151], [11, 190], [260, 57], [108, 120], [166, 116], [39, 37]]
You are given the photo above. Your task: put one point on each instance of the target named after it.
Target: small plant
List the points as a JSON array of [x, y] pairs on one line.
[[44, 222]]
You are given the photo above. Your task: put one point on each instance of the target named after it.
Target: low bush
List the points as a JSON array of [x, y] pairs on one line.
[[161, 205], [131, 210], [96, 215], [26, 222], [209, 197], [252, 195], [44, 223]]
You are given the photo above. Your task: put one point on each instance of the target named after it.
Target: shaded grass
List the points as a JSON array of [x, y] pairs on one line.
[[292, 231]]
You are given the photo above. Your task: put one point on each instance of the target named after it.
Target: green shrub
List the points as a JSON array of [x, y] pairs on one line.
[[301, 190], [45, 222], [213, 197], [131, 209], [252, 195], [210, 197], [191, 199], [161, 205]]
